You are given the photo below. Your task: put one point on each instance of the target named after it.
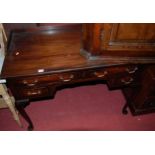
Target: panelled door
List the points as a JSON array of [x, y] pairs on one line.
[[128, 37]]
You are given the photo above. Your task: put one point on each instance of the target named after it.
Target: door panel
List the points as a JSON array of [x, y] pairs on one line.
[[134, 37]]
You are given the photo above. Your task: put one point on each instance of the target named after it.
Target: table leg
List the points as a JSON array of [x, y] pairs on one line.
[[21, 108]]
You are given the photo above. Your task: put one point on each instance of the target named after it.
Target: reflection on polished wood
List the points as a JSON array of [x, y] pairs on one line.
[[44, 58]]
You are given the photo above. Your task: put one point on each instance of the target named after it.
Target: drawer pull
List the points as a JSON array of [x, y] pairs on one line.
[[67, 79], [34, 93], [127, 81], [30, 84], [131, 71], [99, 75]]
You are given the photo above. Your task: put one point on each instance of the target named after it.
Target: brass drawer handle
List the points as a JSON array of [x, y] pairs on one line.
[[100, 75], [34, 93], [68, 79], [127, 81], [30, 84], [131, 71]]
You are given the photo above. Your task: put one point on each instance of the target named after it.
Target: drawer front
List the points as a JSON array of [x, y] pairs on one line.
[[121, 81], [33, 93], [122, 70], [110, 72], [95, 74], [44, 79], [37, 86], [99, 73], [33, 81]]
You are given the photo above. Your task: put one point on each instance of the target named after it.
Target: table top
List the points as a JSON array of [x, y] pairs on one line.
[[45, 51]]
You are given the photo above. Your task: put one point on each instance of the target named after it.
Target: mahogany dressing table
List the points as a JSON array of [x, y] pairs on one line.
[[45, 58]]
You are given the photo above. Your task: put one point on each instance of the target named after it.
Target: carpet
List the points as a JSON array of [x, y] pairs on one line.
[[83, 108]]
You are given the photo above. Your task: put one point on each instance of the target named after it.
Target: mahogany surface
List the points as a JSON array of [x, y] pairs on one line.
[[43, 58], [121, 39]]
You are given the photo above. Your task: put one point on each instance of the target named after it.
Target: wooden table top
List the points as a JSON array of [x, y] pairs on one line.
[[32, 52]]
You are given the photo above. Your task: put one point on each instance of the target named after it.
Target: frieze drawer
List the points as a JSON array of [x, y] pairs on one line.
[[95, 73], [33, 93], [44, 79], [121, 81], [122, 70]]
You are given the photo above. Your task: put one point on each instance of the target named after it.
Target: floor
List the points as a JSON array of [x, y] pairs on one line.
[[82, 108]]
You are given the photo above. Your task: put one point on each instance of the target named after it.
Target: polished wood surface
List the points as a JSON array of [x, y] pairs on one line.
[[47, 50], [122, 39], [141, 99], [51, 50], [45, 58]]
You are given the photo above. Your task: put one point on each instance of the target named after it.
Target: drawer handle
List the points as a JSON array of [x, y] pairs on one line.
[[127, 81], [30, 84], [99, 75], [68, 79], [131, 71], [34, 93]]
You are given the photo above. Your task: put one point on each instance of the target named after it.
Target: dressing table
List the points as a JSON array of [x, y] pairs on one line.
[[42, 58]]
